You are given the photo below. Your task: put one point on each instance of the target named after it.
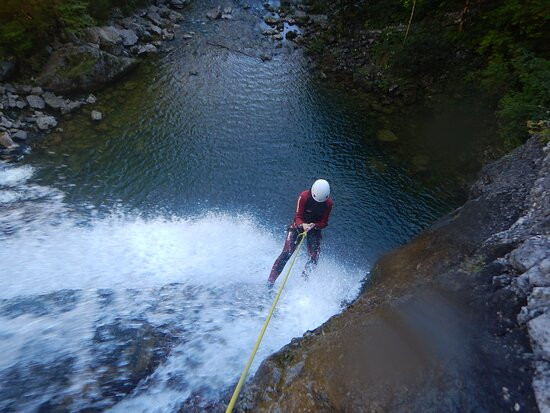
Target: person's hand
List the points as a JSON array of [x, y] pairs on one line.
[[307, 227]]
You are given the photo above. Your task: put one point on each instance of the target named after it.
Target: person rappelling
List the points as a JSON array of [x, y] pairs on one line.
[[312, 212]]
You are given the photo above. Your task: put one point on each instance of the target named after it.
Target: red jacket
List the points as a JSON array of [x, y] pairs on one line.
[[310, 211]]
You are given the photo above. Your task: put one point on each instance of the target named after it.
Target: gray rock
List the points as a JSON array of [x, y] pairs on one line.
[[175, 17], [20, 134], [96, 115], [54, 102], [167, 35], [91, 99], [72, 106], [6, 123], [531, 252], [129, 37], [46, 122], [215, 13], [537, 276], [179, 4], [147, 49], [265, 57], [539, 332], [155, 18], [82, 68], [23, 89], [15, 103], [107, 37], [155, 29], [36, 102], [541, 385], [7, 68], [37, 90], [539, 298], [6, 141]]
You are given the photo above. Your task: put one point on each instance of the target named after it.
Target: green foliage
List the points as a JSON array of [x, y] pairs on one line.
[[503, 45], [316, 46], [73, 15], [523, 88], [28, 24]]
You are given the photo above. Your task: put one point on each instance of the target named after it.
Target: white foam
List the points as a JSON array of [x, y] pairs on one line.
[[10, 176], [221, 260]]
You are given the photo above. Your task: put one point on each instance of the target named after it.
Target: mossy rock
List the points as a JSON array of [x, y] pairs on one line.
[[420, 162], [82, 68], [386, 135]]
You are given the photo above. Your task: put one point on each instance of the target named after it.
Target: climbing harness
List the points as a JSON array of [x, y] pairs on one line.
[[262, 331]]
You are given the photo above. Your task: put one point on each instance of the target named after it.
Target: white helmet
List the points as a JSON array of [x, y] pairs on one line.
[[320, 190]]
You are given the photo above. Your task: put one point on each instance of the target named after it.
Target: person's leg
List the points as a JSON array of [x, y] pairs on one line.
[[313, 250], [288, 249]]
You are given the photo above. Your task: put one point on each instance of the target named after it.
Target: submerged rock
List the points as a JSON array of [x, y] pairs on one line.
[[96, 115], [386, 135], [82, 68]]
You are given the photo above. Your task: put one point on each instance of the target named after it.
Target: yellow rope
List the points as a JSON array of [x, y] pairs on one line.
[[410, 21], [262, 331]]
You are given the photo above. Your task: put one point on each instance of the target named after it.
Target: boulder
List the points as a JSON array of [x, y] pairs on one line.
[[147, 49], [6, 141], [36, 102], [72, 105], [265, 57], [5, 123], [539, 331], [54, 102], [155, 18], [91, 99], [20, 134], [82, 68], [531, 252], [46, 122], [37, 90], [7, 68], [155, 29], [107, 37], [129, 37]]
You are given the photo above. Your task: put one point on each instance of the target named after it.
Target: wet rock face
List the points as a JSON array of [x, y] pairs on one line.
[[82, 68], [139, 349], [437, 327]]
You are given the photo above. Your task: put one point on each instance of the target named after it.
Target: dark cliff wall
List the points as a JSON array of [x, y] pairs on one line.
[[437, 329]]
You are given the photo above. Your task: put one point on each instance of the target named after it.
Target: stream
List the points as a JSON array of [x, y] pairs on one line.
[[135, 251]]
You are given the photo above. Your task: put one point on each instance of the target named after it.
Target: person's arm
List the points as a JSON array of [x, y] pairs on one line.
[[300, 207], [323, 222]]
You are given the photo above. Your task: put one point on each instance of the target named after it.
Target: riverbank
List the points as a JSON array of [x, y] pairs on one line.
[[77, 66], [455, 320]]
